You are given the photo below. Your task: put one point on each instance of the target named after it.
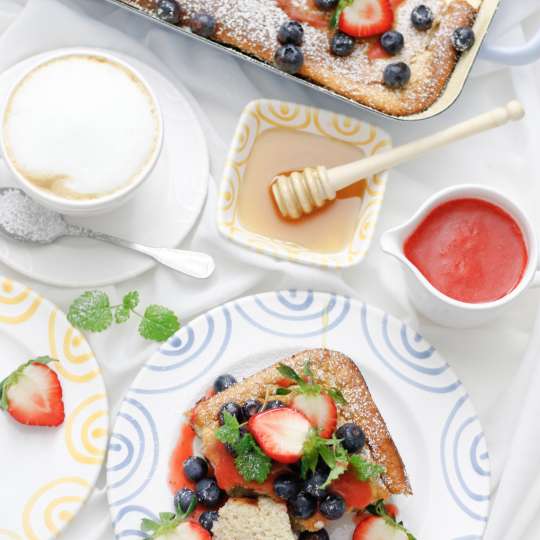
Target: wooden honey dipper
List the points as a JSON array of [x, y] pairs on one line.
[[301, 192]]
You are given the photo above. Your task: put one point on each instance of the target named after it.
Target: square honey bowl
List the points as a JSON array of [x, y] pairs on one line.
[[259, 117]]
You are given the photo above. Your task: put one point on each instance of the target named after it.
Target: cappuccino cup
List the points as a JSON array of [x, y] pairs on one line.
[[81, 130]]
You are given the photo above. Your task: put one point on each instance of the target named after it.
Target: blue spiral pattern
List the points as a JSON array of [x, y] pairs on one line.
[[294, 320]]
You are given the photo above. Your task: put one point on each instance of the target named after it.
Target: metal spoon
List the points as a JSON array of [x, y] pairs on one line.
[[192, 263]]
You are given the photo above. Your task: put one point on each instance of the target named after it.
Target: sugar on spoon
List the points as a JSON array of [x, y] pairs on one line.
[[22, 219], [301, 192]]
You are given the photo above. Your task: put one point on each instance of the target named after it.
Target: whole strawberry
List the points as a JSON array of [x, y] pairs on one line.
[[32, 394]]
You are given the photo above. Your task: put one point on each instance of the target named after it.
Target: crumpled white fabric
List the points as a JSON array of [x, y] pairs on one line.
[[498, 363]]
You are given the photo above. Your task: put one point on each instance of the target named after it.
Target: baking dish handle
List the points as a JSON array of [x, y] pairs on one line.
[[513, 56]]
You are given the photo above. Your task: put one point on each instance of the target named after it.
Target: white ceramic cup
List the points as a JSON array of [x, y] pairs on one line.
[[430, 301], [83, 207]]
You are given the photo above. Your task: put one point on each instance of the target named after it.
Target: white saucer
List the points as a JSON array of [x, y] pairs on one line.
[[161, 213]]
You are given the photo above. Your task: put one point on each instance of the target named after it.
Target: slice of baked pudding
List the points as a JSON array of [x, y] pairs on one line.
[[305, 430]]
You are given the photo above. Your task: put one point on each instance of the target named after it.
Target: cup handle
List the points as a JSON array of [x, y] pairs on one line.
[[519, 55]]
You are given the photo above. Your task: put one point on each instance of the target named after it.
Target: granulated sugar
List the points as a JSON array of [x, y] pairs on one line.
[[21, 216]]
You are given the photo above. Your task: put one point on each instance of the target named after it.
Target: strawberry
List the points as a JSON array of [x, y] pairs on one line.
[[320, 410], [377, 528], [280, 433], [364, 18], [32, 394], [189, 530]]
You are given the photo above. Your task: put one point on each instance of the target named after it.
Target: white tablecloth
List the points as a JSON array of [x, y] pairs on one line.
[[491, 361]]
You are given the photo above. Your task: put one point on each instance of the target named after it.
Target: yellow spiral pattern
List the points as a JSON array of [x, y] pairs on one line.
[[262, 115], [51, 507], [86, 430], [69, 345], [77, 448]]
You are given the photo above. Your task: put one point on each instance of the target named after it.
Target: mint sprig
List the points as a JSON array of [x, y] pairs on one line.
[[168, 522], [93, 312], [250, 461], [307, 384], [332, 452], [378, 509]]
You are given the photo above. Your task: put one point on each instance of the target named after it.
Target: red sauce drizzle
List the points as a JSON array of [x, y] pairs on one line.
[[357, 494], [314, 17], [470, 250], [182, 450]]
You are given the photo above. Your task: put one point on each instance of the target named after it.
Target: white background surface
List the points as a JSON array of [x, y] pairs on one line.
[[490, 361]]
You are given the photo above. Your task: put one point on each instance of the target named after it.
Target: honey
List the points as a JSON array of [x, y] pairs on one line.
[[327, 230]]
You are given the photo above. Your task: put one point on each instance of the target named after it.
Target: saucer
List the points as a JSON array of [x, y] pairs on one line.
[[161, 213]]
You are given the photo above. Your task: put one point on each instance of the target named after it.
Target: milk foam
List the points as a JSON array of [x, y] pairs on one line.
[[81, 126]]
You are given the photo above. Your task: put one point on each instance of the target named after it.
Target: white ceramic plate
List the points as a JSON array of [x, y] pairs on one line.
[[428, 411], [161, 213], [47, 473]]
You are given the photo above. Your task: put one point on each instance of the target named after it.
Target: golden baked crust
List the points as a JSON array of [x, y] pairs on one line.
[[333, 369], [251, 26]]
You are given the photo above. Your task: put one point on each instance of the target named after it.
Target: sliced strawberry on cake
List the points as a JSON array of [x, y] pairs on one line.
[[32, 394], [365, 18]]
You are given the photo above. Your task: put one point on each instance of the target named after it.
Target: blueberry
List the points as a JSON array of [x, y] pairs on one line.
[[169, 11], [342, 44], [195, 468], [463, 38], [317, 535], [332, 506], [274, 404], [232, 408], [314, 482], [206, 519], [203, 25], [291, 32], [352, 437], [289, 58], [422, 17], [286, 486], [223, 382], [326, 5], [303, 505], [183, 498], [392, 42], [208, 493], [250, 408], [397, 75]]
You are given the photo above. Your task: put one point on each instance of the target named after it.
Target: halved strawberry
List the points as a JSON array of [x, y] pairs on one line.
[[364, 18], [189, 530], [32, 394], [376, 528], [320, 410], [280, 433]]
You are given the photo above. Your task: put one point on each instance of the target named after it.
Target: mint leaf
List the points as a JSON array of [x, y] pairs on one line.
[[91, 311], [158, 323], [310, 453], [147, 525], [334, 474], [379, 509], [131, 300], [251, 462], [337, 396], [289, 373], [363, 469], [229, 432], [283, 391], [121, 314], [307, 371]]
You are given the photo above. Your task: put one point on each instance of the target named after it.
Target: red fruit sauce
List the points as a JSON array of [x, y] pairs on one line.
[[470, 250], [182, 450], [357, 494]]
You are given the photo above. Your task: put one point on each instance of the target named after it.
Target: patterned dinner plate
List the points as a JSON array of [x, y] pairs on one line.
[[427, 409], [47, 473]]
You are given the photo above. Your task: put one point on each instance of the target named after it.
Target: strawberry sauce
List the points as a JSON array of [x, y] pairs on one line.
[[357, 494], [182, 450], [314, 17], [470, 250]]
